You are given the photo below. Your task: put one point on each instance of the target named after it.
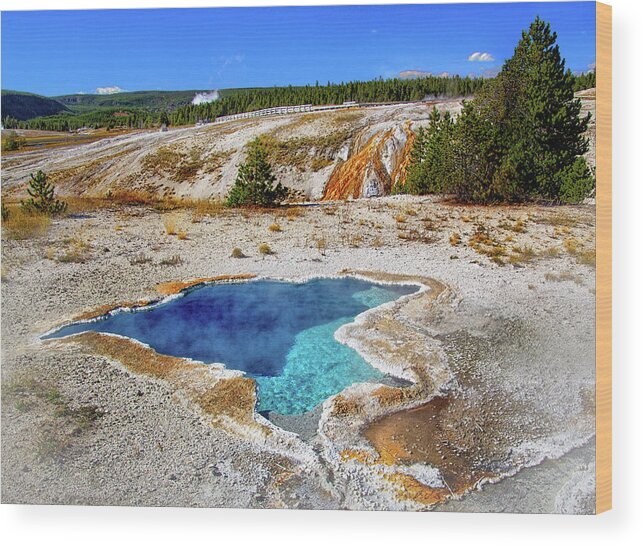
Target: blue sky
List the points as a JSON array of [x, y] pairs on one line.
[[58, 52]]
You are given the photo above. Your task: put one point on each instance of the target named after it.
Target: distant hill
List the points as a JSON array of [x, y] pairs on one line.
[[23, 106], [150, 100]]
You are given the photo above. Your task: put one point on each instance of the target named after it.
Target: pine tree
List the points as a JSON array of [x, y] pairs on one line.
[[543, 117], [520, 138], [255, 182], [42, 198]]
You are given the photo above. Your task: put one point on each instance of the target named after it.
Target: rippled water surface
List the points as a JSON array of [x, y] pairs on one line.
[[280, 333]]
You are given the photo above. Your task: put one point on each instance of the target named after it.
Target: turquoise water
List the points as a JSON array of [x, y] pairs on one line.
[[280, 333]]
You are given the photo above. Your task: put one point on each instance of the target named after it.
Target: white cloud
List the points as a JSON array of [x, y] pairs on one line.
[[591, 67], [109, 90], [481, 57]]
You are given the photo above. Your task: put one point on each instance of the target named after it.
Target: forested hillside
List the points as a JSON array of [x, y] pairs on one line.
[[23, 106], [150, 100]]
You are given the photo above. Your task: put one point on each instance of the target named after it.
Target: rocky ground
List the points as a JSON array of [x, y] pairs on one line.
[[495, 412]]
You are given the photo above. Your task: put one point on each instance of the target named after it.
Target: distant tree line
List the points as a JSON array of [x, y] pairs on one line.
[[584, 81], [521, 138], [108, 118], [380, 90], [251, 99]]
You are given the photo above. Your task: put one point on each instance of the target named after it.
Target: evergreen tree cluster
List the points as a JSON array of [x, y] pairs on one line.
[[521, 138]]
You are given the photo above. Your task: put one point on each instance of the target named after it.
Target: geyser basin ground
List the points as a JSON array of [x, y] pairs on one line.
[[279, 333]]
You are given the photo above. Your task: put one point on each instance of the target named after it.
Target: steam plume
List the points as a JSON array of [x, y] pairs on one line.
[[202, 98]]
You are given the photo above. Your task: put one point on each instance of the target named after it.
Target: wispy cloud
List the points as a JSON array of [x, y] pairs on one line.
[[110, 90], [481, 57], [411, 74]]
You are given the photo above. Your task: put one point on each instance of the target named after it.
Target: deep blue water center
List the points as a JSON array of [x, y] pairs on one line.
[[280, 333]]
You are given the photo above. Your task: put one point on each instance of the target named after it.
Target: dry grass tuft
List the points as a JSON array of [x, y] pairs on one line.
[[321, 244], [169, 221], [356, 240], [558, 220], [265, 249], [517, 227], [564, 276], [483, 243], [587, 257], [131, 197], [237, 253], [275, 228], [455, 239], [21, 225], [294, 212], [522, 254], [182, 235], [172, 260], [140, 259], [571, 245], [551, 252], [400, 218]]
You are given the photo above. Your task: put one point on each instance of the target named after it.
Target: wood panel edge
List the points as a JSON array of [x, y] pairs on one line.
[[603, 257]]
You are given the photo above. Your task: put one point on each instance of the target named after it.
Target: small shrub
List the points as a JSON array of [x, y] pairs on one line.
[[237, 253], [274, 228], [182, 235], [455, 239], [265, 249], [11, 141]]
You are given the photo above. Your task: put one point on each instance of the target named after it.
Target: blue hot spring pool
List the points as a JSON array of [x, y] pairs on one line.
[[279, 333]]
